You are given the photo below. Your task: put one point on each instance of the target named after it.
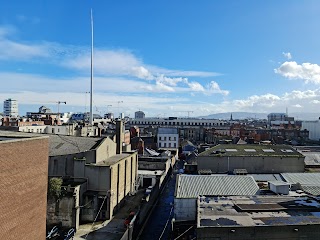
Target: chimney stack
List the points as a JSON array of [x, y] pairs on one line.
[[119, 135]]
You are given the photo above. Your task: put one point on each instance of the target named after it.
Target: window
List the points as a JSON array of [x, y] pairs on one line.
[[175, 145], [169, 145], [165, 145], [169, 138], [165, 138]]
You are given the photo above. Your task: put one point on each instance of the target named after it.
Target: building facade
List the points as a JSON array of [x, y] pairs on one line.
[[139, 115], [168, 138], [110, 172], [226, 158], [23, 187], [10, 108], [314, 129]]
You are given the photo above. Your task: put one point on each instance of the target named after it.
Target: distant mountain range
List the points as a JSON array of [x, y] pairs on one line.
[[246, 115]]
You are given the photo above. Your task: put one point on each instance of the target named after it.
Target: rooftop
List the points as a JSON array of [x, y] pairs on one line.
[[191, 186], [58, 144], [302, 178], [251, 150], [167, 131], [257, 211], [112, 160]]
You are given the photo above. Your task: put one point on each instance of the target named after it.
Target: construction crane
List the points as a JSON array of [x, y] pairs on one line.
[[59, 102]]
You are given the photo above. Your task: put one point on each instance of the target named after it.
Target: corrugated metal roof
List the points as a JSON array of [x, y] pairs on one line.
[[265, 177], [191, 186], [312, 189], [302, 178]]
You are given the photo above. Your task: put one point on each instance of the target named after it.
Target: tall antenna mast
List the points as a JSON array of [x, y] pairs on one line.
[[91, 87]]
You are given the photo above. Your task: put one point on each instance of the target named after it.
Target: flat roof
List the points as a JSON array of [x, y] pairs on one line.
[[253, 211], [248, 150], [151, 172], [112, 160], [191, 186]]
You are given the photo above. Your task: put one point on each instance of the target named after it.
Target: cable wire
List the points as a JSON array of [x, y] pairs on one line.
[[165, 227], [183, 233], [96, 216]]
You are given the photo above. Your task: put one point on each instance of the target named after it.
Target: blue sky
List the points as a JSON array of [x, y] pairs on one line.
[[162, 57]]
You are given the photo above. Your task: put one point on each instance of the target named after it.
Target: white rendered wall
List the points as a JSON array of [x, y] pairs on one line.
[[314, 129]]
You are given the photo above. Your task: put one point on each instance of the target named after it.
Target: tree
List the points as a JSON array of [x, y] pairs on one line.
[[54, 187]]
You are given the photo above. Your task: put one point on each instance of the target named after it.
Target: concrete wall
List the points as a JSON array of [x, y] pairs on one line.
[[153, 165], [185, 209], [65, 210], [61, 165], [252, 164], [145, 165], [23, 188], [106, 149], [61, 130], [64, 165], [262, 233], [123, 177]]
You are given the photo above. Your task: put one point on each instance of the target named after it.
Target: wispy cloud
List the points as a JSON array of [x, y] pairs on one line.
[[6, 30], [214, 87], [24, 18], [287, 55], [308, 72], [120, 64]]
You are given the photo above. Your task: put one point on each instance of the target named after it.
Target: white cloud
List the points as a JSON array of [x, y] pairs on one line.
[[20, 51], [306, 71], [169, 80], [196, 87], [287, 55], [297, 106], [122, 64], [297, 94], [10, 50], [142, 73], [213, 87], [315, 101], [183, 73]]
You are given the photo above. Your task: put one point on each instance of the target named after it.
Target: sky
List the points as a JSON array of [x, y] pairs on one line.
[[166, 58]]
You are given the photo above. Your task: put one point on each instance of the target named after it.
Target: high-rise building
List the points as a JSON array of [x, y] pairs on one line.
[[139, 114], [10, 108]]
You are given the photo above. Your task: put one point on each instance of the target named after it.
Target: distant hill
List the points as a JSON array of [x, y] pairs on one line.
[[246, 115]]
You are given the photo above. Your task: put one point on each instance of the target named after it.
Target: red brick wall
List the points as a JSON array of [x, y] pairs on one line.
[[23, 188]]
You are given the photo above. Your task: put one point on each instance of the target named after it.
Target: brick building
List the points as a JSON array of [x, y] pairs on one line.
[[23, 187]]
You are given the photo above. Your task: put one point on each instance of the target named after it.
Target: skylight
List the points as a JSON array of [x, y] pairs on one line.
[[249, 150], [268, 150], [231, 150]]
